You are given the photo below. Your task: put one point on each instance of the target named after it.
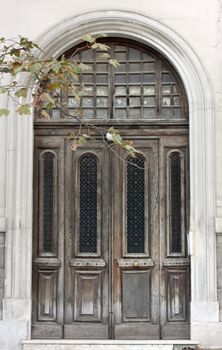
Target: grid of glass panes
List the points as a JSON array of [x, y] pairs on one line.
[[94, 82], [142, 87], [170, 96], [135, 84]]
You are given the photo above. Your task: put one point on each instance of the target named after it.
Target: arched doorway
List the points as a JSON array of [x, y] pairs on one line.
[[110, 255]]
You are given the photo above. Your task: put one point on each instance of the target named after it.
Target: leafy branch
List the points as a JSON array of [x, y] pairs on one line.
[[20, 56]]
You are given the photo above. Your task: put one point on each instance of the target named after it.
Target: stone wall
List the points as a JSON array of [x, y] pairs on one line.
[[219, 272], [2, 269]]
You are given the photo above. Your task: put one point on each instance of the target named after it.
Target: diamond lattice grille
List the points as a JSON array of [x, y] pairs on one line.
[[135, 205], [88, 204]]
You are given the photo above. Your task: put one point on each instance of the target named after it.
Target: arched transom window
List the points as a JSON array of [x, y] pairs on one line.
[[144, 86]]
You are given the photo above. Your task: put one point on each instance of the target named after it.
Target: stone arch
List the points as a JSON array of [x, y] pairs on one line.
[[57, 40]]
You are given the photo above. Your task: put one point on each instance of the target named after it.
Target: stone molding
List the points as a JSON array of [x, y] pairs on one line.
[[202, 150]]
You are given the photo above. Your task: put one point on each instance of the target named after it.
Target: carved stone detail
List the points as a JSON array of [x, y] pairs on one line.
[[177, 262], [135, 263], [47, 263], [87, 263]]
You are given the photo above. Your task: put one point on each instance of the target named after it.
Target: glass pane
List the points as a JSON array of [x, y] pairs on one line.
[[88, 113], [55, 113], [166, 112], [120, 90], [120, 113], [102, 113], [87, 55], [147, 57], [176, 100], [88, 78], [121, 68], [149, 90], [134, 67], [102, 90], [166, 89], [135, 205], [166, 78], [134, 78], [149, 101], [120, 102], [87, 101], [149, 112], [120, 78], [134, 55], [149, 67], [134, 90], [175, 89], [73, 102], [177, 112], [100, 56], [101, 79], [120, 48], [101, 67], [135, 113], [134, 101], [102, 102], [88, 90], [120, 56], [149, 78], [175, 202], [88, 205], [166, 101]]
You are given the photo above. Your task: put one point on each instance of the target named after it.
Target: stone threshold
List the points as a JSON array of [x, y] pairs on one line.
[[92, 344], [111, 341]]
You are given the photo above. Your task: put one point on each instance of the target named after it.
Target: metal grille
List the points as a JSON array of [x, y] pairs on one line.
[[48, 202], [88, 204], [175, 202], [135, 205]]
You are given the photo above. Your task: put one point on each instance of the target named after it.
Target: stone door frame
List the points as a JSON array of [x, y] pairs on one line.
[[202, 237]]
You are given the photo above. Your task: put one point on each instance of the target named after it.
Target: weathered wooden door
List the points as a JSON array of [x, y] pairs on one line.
[[112, 261], [110, 256]]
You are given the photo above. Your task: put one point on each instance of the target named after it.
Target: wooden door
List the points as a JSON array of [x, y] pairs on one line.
[[110, 256], [87, 242], [136, 263]]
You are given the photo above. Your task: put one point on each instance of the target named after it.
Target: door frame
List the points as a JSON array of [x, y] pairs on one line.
[[19, 169]]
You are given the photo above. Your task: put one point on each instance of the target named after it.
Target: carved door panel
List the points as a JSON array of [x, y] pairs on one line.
[[48, 238], [174, 225], [136, 244], [86, 242]]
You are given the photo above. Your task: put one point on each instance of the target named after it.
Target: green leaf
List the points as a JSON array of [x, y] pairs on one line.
[[4, 111], [45, 114], [89, 38], [56, 67], [15, 52], [2, 39], [21, 92], [24, 109], [74, 146], [104, 55], [114, 63], [2, 90], [82, 140], [102, 47]]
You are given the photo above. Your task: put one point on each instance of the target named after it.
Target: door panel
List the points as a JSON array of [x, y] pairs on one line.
[[86, 271], [136, 241], [174, 223], [48, 234]]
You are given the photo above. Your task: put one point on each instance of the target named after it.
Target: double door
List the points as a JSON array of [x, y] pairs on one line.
[[109, 255]]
